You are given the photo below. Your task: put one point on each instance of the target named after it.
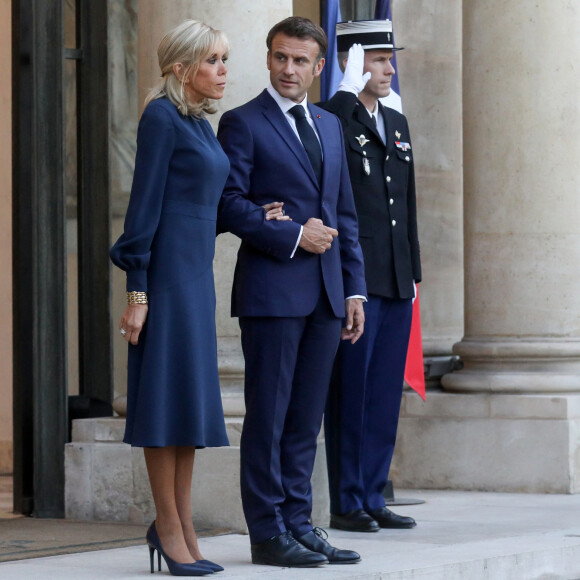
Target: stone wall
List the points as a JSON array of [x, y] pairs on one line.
[[430, 78]]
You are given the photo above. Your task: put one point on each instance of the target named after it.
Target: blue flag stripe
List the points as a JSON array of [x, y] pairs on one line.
[[382, 12], [331, 74]]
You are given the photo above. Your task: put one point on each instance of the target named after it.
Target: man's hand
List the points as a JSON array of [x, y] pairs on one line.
[[316, 237], [274, 211], [355, 320], [354, 81]]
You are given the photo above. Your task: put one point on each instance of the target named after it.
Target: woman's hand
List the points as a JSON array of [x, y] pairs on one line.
[[132, 321], [274, 211]]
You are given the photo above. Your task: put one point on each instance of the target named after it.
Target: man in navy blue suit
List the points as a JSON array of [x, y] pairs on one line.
[[294, 283]]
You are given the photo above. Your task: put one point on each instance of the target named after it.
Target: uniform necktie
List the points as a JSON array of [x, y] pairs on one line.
[[309, 139], [376, 126]]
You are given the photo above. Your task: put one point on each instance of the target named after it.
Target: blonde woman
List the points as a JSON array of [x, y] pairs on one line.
[[167, 248]]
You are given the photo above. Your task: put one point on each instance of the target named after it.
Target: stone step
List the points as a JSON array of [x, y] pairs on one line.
[[554, 556], [460, 536]]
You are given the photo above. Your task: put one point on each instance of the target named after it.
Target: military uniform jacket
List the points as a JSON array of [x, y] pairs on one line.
[[383, 182]]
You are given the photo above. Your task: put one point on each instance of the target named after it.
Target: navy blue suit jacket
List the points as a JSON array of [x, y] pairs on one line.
[[269, 163]]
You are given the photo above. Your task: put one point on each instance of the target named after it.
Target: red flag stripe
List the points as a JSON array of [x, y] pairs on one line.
[[414, 370]]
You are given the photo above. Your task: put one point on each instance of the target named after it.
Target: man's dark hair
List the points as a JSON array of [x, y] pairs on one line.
[[298, 27]]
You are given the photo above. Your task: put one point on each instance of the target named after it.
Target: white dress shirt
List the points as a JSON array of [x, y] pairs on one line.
[[285, 106]]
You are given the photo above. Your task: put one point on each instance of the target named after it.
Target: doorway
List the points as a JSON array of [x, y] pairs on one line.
[[61, 225]]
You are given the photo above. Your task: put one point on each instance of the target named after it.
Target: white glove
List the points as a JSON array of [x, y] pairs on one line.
[[414, 292], [354, 80]]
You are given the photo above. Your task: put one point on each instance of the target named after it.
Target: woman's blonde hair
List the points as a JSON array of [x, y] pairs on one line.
[[188, 44]]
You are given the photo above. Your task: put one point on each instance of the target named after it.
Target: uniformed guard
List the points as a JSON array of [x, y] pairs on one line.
[[363, 405]]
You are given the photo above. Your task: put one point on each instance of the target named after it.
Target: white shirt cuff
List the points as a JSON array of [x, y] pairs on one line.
[[363, 298], [297, 242]]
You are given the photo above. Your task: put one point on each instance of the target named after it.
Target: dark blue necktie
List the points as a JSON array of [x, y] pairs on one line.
[[309, 139]]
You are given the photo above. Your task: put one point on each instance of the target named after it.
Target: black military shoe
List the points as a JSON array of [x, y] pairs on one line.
[[387, 519], [284, 550], [315, 540], [355, 521]]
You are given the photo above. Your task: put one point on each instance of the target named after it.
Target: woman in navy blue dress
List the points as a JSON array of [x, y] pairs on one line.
[[167, 248]]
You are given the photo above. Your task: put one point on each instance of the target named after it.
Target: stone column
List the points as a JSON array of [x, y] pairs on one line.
[[429, 71], [510, 418], [522, 218]]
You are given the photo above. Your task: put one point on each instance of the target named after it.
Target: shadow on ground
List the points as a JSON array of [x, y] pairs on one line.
[[22, 538]]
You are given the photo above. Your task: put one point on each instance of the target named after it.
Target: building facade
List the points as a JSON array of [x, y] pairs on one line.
[[495, 124]]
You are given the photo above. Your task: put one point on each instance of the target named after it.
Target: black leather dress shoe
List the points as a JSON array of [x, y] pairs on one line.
[[284, 550], [316, 542], [387, 519], [355, 521]]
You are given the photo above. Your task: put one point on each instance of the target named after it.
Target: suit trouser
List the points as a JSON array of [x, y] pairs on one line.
[[363, 406], [288, 363]]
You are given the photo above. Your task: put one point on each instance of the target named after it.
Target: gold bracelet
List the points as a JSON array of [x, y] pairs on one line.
[[137, 297]]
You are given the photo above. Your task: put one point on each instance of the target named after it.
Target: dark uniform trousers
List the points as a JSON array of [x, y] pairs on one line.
[[362, 410]]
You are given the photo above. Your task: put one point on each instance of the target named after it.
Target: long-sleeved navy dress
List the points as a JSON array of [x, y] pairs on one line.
[[167, 250]]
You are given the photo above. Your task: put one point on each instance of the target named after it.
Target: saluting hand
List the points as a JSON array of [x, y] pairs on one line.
[[316, 237], [354, 81]]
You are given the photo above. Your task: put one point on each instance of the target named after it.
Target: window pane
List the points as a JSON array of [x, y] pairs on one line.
[[70, 23], [70, 119], [357, 9]]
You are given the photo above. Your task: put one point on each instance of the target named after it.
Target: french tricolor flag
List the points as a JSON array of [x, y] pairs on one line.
[[393, 100], [331, 73]]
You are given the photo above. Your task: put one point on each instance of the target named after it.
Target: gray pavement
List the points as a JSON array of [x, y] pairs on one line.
[[460, 536]]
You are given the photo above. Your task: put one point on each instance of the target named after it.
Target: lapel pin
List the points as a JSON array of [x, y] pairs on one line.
[[318, 116], [397, 135], [362, 140]]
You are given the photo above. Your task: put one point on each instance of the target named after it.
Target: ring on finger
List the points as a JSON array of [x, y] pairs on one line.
[[123, 332]]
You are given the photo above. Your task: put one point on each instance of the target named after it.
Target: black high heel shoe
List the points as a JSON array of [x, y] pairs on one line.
[[175, 568]]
